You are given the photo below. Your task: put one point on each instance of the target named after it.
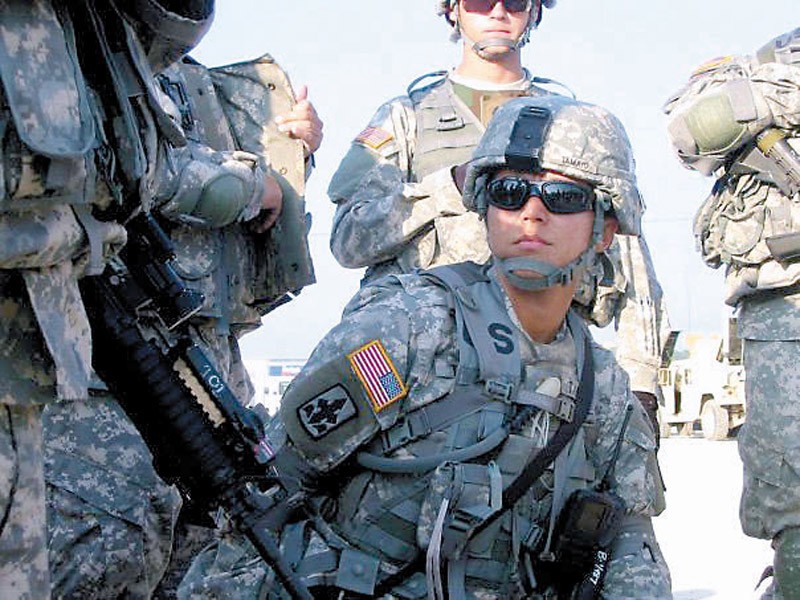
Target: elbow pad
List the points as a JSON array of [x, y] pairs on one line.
[[706, 131], [217, 190]]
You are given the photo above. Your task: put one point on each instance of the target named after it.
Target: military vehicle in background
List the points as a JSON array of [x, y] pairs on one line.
[[701, 378]]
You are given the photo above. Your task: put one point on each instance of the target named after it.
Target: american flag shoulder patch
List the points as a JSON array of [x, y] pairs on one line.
[[374, 368], [373, 137]]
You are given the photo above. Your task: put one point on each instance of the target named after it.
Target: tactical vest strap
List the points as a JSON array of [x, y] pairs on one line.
[[438, 75], [536, 466], [432, 417], [474, 294]]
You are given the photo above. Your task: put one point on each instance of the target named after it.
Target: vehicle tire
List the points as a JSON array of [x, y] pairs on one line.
[[714, 421]]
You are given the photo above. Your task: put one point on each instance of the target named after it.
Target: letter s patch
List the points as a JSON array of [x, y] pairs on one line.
[[503, 337]]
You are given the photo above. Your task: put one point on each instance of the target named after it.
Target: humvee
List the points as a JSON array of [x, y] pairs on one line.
[[701, 379]]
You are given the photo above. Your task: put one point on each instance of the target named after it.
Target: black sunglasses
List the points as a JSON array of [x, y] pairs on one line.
[[486, 6], [560, 197]]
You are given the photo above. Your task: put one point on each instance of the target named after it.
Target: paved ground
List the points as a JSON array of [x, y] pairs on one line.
[[699, 532]]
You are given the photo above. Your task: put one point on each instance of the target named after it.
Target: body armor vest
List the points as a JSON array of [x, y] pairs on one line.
[[456, 455], [447, 131]]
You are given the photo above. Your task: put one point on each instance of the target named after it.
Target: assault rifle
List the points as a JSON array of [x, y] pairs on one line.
[[202, 439]]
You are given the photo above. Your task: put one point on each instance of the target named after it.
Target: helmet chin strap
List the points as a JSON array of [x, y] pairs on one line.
[[550, 275], [480, 47]]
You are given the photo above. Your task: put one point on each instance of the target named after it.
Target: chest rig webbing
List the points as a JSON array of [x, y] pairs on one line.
[[447, 131], [447, 128], [470, 440]]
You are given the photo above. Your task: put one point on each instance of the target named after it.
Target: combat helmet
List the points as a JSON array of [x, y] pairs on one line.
[[168, 28], [446, 8], [573, 138]]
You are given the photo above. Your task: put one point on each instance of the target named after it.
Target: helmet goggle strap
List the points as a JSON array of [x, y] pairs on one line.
[[550, 275]]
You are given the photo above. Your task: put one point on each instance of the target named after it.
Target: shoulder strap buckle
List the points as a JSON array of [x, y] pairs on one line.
[[497, 389], [566, 409]]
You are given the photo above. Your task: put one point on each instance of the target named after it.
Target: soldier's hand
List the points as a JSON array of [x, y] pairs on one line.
[[271, 204], [302, 122]]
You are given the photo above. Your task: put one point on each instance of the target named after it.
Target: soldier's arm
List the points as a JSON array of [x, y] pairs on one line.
[[379, 211], [637, 568], [197, 184], [642, 322]]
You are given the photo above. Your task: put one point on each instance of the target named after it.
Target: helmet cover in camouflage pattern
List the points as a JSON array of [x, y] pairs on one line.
[[582, 141], [169, 29]]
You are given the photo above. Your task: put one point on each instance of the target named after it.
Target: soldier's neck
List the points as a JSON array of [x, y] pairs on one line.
[[507, 68], [541, 312]]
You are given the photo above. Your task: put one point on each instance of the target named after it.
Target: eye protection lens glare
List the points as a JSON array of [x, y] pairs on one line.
[[559, 197], [485, 6]]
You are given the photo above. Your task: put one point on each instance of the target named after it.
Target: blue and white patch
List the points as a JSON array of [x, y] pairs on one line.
[[327, 411]]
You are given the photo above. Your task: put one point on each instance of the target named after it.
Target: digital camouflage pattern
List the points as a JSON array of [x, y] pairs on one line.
[[237, 270], [45, 350], [391, 219], [23, 543], [108, 512], [49, 238], [732, 227], [412, 318]]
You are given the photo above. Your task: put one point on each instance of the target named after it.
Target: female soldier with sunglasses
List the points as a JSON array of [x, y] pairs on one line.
[[459, 434], [398, 207]]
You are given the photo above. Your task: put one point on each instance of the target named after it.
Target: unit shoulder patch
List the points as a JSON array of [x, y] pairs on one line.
[[373, 137], [378, 375], [327, 411]]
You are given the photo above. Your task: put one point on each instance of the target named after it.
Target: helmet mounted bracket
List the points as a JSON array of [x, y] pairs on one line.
[[527, 138]]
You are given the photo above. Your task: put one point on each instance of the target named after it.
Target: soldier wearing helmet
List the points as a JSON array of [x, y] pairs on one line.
[[398, 207], [534, 8], [737, 119], [411, 426]]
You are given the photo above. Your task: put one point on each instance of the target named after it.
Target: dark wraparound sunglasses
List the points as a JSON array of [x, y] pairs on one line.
[[560, 197], [486, 6]]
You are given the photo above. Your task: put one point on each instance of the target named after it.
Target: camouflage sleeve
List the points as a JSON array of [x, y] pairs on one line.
[[637, 568], [642, 322], [196, 184], [393, 329], [379, 210]]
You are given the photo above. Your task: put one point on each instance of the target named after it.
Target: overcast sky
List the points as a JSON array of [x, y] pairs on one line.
[[627, 55]]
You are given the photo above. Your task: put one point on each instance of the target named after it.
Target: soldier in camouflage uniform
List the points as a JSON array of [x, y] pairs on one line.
[[398, 208], [68, 156], [49, 139], [738, 119], [416, 417], [239, 265]]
